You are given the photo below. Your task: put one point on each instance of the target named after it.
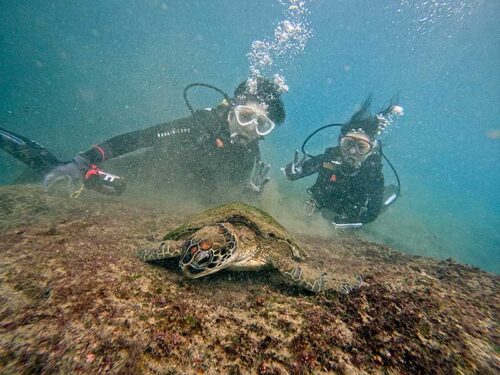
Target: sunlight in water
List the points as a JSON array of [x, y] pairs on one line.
[[432, 12]]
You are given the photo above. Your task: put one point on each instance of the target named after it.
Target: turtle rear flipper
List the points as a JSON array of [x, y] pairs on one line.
[[304, 276], [166, 249]]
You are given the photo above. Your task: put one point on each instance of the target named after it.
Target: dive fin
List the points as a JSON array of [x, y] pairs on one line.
[[34, 155]]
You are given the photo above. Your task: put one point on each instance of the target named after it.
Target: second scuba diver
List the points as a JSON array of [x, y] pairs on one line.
[[349, 189], [211, 148]]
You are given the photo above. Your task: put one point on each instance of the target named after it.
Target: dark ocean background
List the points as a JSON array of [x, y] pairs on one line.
[[74, 73]]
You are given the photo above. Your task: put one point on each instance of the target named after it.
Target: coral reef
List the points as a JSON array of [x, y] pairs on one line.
[[75, 299]]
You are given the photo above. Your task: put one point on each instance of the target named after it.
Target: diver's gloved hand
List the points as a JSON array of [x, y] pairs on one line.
[[310, 207], [259, 176], [67, 177], [294, 168]]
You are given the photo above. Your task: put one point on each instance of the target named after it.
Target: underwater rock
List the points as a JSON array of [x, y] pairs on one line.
[[20, 201], [75, 299]]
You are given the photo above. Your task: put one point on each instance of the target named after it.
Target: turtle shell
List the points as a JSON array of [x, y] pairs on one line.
[[238, 213]]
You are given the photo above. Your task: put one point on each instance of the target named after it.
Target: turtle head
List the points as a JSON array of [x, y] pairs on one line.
[[208, 250]]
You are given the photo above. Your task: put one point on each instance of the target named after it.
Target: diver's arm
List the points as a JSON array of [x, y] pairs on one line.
[[174, 134], [303, 168], [375, 199]]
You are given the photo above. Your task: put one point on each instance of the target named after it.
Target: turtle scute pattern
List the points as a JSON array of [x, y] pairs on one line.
[[257, 241]]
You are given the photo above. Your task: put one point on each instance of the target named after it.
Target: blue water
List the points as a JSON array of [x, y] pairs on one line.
[[75, 73]]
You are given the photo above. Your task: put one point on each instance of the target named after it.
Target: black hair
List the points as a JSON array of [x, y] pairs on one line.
[[266, 92], [364, 120]]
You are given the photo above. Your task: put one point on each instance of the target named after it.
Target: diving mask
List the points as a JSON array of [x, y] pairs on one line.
[[246, 116], [362, 146]]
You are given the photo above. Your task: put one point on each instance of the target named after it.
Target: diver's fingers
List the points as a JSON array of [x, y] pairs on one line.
[[266, 169], [255, 165], [295, 162], [261, 168], [254, 168], [266, 180], [54, 179], [47, 181], [302, 160]]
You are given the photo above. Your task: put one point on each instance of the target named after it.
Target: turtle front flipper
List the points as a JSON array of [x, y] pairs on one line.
[[281, 256], [166, 249]]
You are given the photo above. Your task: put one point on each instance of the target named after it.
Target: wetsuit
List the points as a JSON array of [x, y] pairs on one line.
[[193, 154], [348, 195], [195, 150]]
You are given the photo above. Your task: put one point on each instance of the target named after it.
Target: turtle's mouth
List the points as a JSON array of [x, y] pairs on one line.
[[202, 257]]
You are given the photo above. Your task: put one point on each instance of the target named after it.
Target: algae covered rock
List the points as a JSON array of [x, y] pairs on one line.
[[75, 299]]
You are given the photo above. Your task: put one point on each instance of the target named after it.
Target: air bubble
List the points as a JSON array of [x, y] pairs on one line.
[[289, 40]]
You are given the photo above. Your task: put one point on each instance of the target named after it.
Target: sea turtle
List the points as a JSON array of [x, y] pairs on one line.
[[236, 237]]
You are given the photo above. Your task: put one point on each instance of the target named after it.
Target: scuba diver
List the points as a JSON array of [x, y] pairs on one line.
[[349, 190], [211, 146]]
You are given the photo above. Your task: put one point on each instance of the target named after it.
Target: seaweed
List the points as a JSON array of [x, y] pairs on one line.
[[74, 299]]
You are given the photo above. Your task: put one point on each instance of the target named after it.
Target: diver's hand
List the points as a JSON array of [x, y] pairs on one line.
[[294, 168], [310, 207], [67, 176], [258, 178]]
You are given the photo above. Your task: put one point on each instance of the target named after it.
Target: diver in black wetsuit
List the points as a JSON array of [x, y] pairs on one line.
[[214, 146], [349, 189]]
